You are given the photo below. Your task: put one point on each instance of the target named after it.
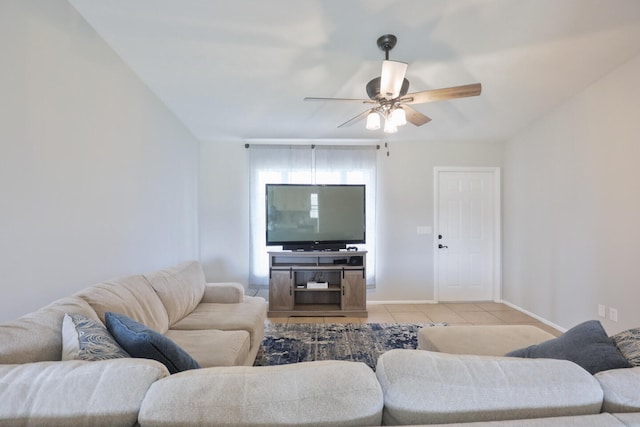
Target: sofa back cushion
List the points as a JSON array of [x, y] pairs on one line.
[[423, 387], [132, 296], [76, 393], [329, 393], [37, 336], [620, 388], [180, 288]]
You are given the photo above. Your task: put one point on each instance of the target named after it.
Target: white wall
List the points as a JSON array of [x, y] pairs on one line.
[[404, 202], [97, 178], [224, 211], [572, 205]]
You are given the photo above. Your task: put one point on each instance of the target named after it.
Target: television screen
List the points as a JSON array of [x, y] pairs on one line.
[[315, 217]]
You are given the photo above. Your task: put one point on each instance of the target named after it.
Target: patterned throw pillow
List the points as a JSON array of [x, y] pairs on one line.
[[628, 343], [86, 339]]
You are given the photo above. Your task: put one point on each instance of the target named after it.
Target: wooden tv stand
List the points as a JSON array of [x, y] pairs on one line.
[[317, 283]]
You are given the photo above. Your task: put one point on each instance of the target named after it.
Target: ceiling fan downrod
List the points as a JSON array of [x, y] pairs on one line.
[[386, 43]]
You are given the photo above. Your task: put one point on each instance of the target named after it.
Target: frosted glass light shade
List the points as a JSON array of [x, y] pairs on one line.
[[389, 126], [391, 78], [399, 117], [373, 121]]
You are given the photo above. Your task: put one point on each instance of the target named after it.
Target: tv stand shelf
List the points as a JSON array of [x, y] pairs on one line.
[[344, 273]]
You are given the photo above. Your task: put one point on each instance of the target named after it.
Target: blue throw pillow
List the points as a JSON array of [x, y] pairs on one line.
[[586, 344], [140, 341]]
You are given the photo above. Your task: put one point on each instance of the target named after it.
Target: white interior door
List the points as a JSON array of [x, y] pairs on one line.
[[467, 237]]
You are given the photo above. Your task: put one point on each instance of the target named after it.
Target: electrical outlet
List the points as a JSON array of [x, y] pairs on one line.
[[613, 314], [602, 310]]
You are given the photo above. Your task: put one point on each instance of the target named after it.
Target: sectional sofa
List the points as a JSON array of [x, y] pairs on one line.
[[57, 370], [214, 325]]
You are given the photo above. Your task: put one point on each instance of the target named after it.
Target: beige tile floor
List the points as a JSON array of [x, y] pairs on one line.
[[468, 313]]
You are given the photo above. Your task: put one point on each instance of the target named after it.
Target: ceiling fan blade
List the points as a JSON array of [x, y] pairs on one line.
[[414, 116], [361, 101], [391, 78], [442, 94], [356, 118]]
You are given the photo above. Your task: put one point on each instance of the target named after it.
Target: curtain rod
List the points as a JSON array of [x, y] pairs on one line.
[[312, 141], [309, 144], [313, 146]]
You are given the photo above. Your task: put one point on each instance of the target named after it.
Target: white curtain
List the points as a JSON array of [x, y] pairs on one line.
[[307, 165]]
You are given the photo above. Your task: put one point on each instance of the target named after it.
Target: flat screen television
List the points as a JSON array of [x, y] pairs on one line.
[[315, 217]]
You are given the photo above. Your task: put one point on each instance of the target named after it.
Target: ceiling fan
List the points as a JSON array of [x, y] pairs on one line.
[[388, 94]]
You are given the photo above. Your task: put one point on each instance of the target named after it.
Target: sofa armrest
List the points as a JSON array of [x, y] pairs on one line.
[[424, 387], [223, 293], [101, 393]]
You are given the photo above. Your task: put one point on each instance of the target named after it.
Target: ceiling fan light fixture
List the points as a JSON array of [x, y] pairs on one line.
[[373, 121], [399, 117], [392, 78], [390, 126], [389, 94]]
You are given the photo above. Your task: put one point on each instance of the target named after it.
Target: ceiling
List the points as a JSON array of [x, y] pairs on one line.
[[239, 70]]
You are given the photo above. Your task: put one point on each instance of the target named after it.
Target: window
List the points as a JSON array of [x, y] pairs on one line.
[[307, 165]]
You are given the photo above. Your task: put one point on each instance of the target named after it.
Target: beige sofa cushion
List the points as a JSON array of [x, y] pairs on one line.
[[481, 340], [629, 419], [76, 393], [620, 388], [247, 316], [598, 420], [223, 292], [180, 288], [210, 347], [329, 393], [132, 296], [37, 336], [424, 387]]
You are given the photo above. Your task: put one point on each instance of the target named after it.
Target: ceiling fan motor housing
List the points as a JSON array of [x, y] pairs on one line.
[[373, 88]]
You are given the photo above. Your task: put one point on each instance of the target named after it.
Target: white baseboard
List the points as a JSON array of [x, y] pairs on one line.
[[402, 302], [535, 316]]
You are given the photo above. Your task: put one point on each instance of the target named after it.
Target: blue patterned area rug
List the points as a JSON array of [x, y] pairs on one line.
[[303, 342]]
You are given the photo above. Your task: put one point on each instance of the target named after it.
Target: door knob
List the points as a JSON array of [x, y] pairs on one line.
[[441, 246]]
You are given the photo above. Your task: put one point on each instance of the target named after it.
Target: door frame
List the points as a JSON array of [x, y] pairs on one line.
[[496, 286]]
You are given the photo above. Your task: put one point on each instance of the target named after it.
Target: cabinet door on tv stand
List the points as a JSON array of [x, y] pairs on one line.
[[280, 291], [354, 290]]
